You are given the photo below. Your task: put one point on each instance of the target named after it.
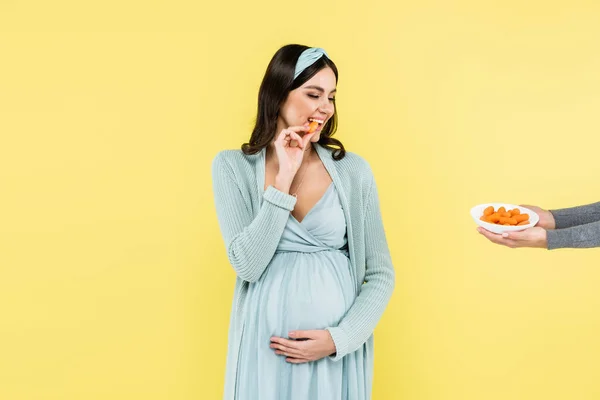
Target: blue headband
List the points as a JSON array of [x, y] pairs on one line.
[[308, 58]]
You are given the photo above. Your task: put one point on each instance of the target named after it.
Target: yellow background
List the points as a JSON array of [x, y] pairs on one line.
[[114, 283]]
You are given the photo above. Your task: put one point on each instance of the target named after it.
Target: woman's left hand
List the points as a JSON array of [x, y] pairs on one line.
[[308, 346], [532, 237]]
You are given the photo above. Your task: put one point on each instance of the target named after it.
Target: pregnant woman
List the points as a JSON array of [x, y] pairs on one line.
[[302, 228]]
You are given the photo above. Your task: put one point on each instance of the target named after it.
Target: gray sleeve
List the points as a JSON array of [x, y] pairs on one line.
[[580, 236], [574, 216]]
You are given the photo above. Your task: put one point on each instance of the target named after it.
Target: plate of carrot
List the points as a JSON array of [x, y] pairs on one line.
[[502, 217]]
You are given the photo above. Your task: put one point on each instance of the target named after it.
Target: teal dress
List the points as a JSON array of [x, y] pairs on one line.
[[306, 286]]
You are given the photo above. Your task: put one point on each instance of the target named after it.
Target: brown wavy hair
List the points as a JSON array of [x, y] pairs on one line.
[[277, 83]]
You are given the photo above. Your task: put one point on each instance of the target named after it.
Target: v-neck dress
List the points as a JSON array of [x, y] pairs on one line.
[[306, 286]]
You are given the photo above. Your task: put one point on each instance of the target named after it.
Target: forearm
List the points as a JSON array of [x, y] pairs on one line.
[[362, 317], [574, 216], [250, 240], [251, 250], [358, 324], [580, 236]]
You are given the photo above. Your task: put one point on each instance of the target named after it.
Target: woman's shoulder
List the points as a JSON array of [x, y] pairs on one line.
[[357, 161], [235, 165], [234, 158]]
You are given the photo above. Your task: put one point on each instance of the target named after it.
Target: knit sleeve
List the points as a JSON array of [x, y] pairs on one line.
[[250, 241], [573, 216], [358, 324], [580, 236]]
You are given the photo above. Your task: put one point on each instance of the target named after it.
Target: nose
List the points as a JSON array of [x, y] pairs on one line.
[[326, 107]]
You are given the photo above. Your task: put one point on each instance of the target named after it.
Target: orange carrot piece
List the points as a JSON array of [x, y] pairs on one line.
[[312, 126]]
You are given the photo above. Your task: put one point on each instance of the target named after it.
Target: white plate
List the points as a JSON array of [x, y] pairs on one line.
[[477, 212]]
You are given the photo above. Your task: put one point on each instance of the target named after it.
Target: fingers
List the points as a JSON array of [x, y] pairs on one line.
[[296, 140], [304, 334], [498, 239], [522, 235], [530, 206], [281, 139], [307, 138], [296, 345], [297, 360], [293, 129], [287, 351], [303, 128], [288, 348], [284, 136], [492, 237], [290, 138]]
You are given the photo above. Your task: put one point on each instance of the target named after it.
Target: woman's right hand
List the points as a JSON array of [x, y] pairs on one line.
[[546, 218], [289, 149]]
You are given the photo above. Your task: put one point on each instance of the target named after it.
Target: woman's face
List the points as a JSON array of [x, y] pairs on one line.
[[314, 100]]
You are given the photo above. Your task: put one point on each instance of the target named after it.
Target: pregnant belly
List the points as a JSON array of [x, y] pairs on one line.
[[306, 291]]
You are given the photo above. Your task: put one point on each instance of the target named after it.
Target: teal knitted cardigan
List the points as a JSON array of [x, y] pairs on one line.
[[252, 221]]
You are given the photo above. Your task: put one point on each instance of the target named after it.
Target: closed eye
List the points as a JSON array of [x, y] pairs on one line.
[[314, 96]]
